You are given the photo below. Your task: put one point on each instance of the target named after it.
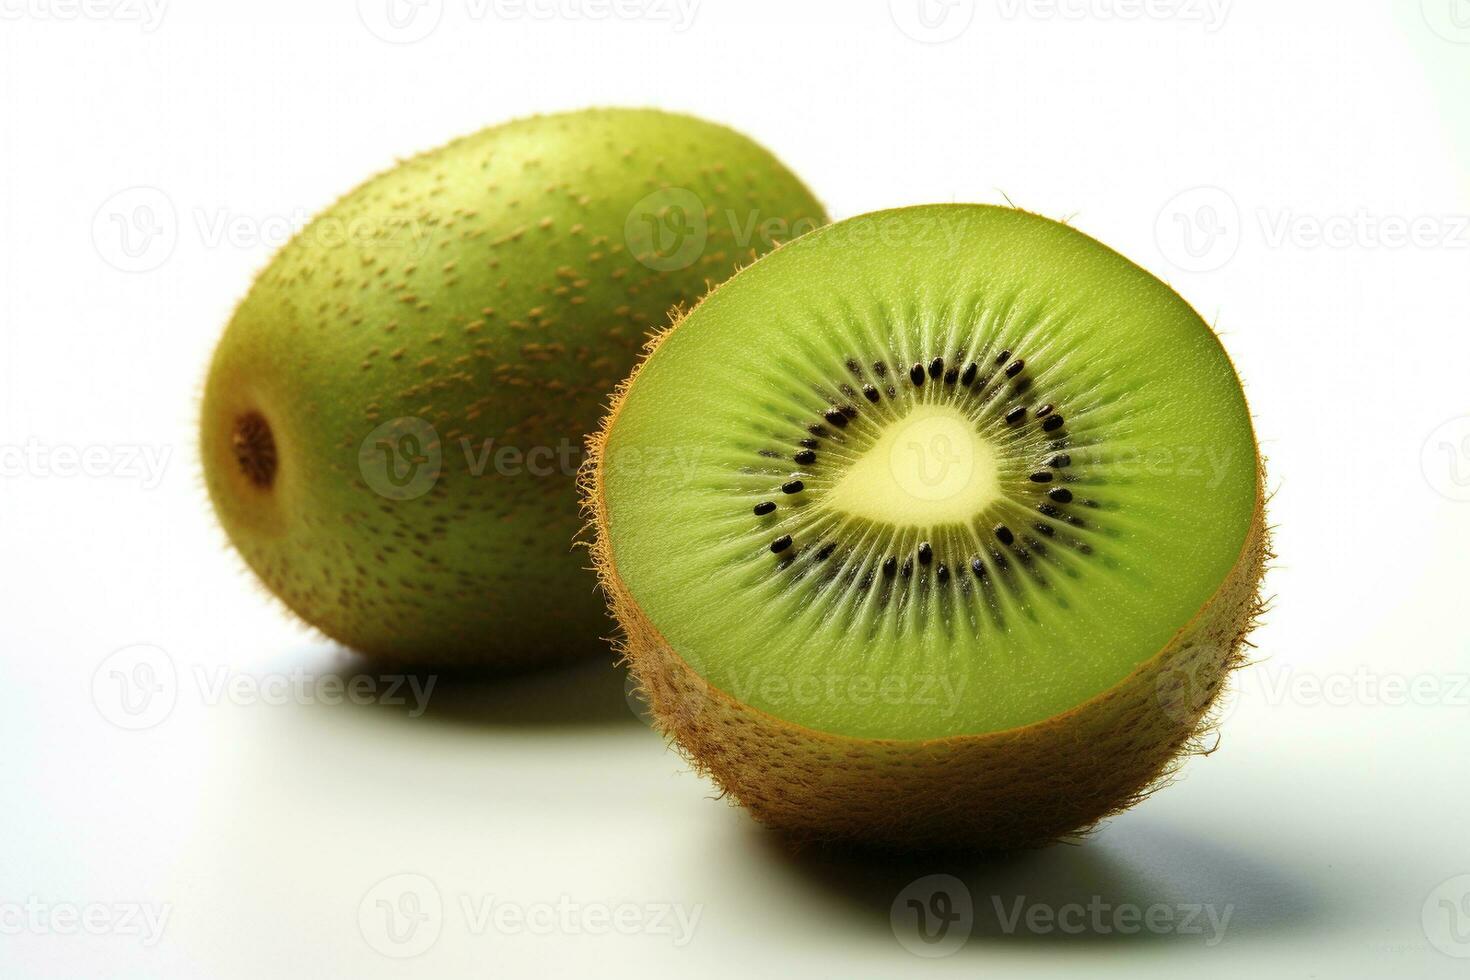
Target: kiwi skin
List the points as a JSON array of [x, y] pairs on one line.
[[489, 288], [999, 791]]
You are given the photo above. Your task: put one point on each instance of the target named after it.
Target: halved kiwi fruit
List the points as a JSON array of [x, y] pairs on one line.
[[936, 527]]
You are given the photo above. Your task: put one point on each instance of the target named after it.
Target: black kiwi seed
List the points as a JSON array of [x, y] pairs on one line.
[[1015, 368], [1048, 510], [1060, 494], [825, 551], [1016, 414], [890, 567], [1041, 476], [978, 567], [763, 508], [879, 368], [808, 443], [806, 456], [770, 454], [1052, 423], [916, 373], [1002, 357], [870, 393], [1044, 528], [1044, 411], [793, 486], [951, 376], [908, 567], [926, 553], [817, 431], [780, 544], [835, 416], [854, 367], [1004, 534], [942, 573], [849, 410], [968, 378], [1060, 460], [936, 367]]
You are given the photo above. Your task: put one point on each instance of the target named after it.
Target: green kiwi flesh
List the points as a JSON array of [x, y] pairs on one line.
[[941, 471]]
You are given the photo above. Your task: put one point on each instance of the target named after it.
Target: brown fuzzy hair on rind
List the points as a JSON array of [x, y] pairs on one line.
[[1024, 787]]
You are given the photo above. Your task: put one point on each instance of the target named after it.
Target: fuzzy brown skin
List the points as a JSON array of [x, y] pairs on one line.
[[1005, 790]]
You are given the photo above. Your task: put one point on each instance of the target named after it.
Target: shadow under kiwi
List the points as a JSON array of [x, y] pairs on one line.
[[1099, 890], [590, 692]]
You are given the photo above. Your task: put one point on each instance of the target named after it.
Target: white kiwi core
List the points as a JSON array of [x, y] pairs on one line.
[[929, 468]]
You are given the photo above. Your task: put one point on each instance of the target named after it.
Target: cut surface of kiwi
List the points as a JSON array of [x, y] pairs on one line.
[[946, 472]]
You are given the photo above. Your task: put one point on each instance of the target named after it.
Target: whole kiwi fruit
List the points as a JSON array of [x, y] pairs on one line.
[[939, 527], [393, 420]]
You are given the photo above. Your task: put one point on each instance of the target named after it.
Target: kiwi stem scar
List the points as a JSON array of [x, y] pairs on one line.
[[255, 449]]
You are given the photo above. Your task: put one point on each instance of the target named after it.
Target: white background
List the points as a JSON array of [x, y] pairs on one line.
[[1269, 159]]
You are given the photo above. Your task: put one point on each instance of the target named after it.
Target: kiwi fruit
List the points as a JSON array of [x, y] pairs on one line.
[[937, 528], [393, 420]]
